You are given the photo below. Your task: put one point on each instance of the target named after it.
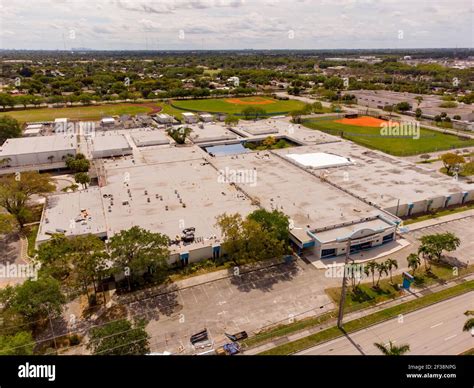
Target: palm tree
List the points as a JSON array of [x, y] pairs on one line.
[[390, 264], [371, 268], [425, 253], [413, 261], [419, 99], [391, 349], [381, 268]]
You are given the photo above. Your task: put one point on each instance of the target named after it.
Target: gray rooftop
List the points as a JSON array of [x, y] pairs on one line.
[[38, 144]]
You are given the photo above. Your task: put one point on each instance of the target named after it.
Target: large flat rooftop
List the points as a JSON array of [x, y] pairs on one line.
[[179, 194], [280, 185], [73, 214], [381, 178], [38, 144], [105, 142], [207, 132]]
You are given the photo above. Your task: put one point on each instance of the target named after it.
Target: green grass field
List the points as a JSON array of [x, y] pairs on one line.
[[429, 141], [220, 105], [79, 113]]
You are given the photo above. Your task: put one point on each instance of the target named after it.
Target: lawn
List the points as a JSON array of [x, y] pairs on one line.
[[367, 296], [236, 105], [440, 213], [94, 112], [429, 141], [368, 320]]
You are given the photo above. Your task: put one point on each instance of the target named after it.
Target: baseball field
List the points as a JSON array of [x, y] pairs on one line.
[[236, 105], [367, 131]]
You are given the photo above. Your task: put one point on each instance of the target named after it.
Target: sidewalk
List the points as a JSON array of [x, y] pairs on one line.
[[439, 220], [355, 315]]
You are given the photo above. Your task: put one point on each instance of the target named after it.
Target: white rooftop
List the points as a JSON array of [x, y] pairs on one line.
[[110, 142], [319, 160], [38, 144]]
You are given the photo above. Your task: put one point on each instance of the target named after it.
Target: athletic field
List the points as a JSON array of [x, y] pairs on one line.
[[236, 105], [366, 131], [92, 112]]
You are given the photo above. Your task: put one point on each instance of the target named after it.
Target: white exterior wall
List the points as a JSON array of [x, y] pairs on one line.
[[38, 158], [111, 152]]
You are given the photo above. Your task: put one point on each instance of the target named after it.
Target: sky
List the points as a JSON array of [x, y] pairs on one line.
[[235, 24]]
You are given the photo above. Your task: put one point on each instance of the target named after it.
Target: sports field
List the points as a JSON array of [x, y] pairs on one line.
[[94, 112], [236, 105], [366, 131]]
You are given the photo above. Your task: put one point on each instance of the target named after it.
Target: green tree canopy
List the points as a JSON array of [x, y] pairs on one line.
[[138, 250], [17, 189], [119, 338], [9, 128]]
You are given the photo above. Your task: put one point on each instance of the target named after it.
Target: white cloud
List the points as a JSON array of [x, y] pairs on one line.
[[127, 24]]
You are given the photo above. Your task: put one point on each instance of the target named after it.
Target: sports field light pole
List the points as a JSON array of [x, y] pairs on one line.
[[344, 286]]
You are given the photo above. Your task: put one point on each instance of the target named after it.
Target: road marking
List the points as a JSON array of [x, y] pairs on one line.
[[448, 338], [438, 324]]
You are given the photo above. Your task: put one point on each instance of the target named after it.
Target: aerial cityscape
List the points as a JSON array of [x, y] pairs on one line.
[[236, 178]]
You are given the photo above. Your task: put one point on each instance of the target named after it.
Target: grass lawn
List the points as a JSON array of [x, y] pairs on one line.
[[79, 112], [365, 321], [31, 232], [215, 105], [440, 213], [429, 141], [367, 296]]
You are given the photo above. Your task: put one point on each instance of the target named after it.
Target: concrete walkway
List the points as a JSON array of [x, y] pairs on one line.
[[440, 220], [416, 293]]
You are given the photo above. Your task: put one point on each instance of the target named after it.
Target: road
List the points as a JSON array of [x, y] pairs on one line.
[[434, 330]]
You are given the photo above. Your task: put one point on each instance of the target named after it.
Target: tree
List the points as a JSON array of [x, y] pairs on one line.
[[317, 106], [275, 222], [16, 190], [413, 261], [252, 112], [381, 269], [403, 106], [451, 160], [296, 116], [137, 250], [433, 245], [78, 163], [231, 120], [19, 344], [80, 261], [119, 338], [35, 299], [371, 268], [469, 325], [419, 99], [179, 134], [391, 349], [7, 224], [418, 113], [390, 264], [269, 141], [246, 240], [9, 128], [83, 178]]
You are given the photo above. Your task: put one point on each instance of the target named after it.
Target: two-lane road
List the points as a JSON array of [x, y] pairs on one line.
[[435, 330]]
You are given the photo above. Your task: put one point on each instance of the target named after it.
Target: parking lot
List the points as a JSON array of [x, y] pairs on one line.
[[249, 302]]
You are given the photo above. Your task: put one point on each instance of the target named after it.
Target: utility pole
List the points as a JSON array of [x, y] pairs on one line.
[[52, 331], [344, 286]]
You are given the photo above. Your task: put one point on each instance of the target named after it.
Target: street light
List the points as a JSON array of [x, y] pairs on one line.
[[344, 286]]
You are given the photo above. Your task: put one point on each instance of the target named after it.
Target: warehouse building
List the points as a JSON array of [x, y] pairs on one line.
[[38, 151], [150, 138], [108, 145], [189, 118]]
